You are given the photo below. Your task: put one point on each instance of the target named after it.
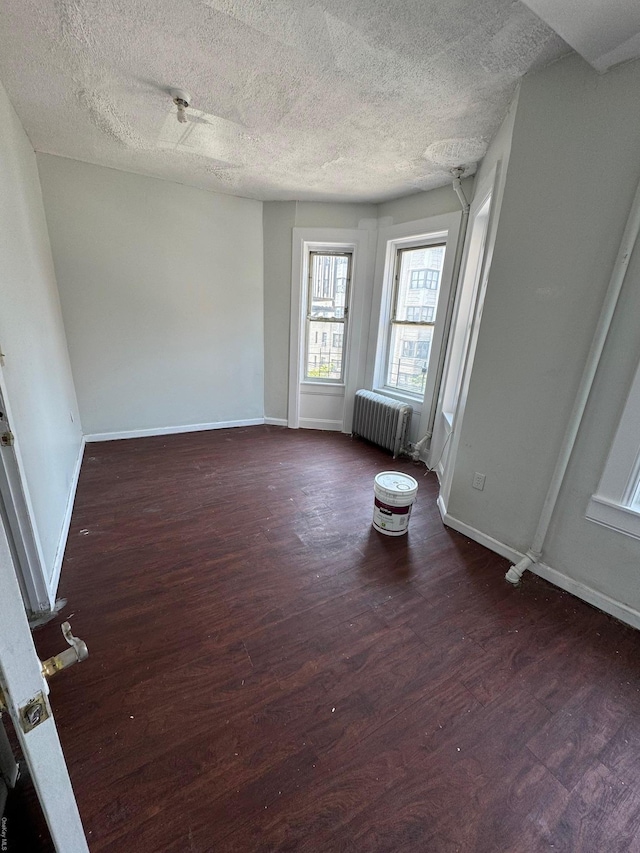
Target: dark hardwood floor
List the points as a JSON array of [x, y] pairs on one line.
[[267, 673]]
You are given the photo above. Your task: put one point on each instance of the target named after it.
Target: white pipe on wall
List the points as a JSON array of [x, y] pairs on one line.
[[618, 273]]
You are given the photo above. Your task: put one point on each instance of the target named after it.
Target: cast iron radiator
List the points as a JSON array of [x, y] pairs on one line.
[[381, 420]]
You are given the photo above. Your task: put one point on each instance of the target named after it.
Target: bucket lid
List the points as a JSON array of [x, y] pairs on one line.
[[397, 482]]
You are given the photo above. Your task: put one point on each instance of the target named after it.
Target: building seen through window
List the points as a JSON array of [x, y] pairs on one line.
[[415, 303], [327, 306]]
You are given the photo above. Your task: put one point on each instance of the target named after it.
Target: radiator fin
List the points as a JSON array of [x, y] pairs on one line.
[[381, 420]]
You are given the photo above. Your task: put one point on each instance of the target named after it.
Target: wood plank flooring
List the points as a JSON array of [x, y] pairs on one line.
[[267, 673]]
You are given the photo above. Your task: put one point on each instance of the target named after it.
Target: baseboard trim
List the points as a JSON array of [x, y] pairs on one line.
[[64, 533], [172, 430], [277, 422], [592, 596], [320, 423], [477, 535]]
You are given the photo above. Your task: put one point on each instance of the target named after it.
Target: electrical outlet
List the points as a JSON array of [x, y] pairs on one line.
[[478, 481]]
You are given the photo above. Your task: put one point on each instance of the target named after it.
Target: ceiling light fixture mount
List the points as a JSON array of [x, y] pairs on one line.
[[182, 100]]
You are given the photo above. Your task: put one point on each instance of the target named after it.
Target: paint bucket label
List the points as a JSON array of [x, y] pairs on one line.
[[394, 494], [392, 520]]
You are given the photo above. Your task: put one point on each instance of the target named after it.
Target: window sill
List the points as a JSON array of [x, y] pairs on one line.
[[414, 402], [616, 517], [328, 388]]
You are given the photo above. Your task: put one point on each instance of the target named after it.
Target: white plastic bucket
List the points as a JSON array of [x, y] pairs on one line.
[[394, 494]]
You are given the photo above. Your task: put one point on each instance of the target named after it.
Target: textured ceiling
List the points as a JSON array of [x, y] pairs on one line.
[[359, 100]]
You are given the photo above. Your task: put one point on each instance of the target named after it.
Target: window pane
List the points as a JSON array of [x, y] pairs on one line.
[[324, 350], [409, 358], [328, 293], [419, 283]]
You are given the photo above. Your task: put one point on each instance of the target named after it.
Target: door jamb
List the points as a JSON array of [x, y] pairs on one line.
[[19, 510]]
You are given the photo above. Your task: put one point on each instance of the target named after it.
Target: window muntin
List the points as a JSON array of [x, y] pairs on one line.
[[327, 311], [418, 272]]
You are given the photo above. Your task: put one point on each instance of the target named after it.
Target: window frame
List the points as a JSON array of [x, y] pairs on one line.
[[418, 324], [310, 319], [362, 242], [444, 227], [616, 502]]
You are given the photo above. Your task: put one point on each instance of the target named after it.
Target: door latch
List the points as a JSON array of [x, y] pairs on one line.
[[36, 711], [78, 652], [7, 439]]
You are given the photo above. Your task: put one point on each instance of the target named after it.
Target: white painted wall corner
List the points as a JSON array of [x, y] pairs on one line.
[[592, 596]]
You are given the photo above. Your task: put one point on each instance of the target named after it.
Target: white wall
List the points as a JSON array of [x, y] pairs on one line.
[[162, 298], [279, 220], [573, 170], [422, 205], [36, 374]]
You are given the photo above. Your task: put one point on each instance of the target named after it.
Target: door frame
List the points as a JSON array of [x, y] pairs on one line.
[[17, 506]]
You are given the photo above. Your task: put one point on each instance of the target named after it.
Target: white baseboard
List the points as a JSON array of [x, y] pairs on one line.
[[600, 600], [320, 423], [64, 533], [277, 421], [172, 430], [592, 596], [477, 535]]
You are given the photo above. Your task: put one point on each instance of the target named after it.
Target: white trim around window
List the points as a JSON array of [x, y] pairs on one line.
[[306, 240], [616, 503], [434, 230]]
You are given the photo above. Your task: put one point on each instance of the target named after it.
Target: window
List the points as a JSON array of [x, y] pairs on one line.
[[416, 289], [422, 349], [616, 503], [424, 278], [420, 314], [327, 309], [417, 279]]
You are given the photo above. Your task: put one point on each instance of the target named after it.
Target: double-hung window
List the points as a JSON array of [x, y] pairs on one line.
[[327, 315], [416, 287]]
